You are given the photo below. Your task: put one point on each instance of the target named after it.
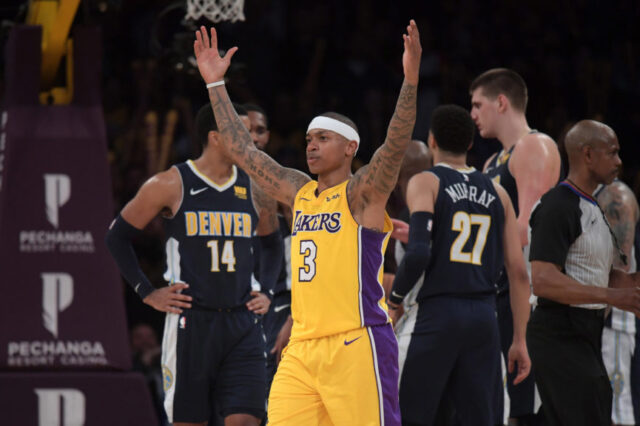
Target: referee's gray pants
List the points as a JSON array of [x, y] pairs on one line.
[[565, 348]]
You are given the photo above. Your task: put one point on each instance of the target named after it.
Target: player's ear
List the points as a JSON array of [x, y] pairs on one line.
[[352, 147], [431, 142], [212, 138], [588, 153], [503, 102]]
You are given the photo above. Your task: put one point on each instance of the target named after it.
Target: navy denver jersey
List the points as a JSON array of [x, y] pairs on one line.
[[208, 242], [498, 170], [468, 222]]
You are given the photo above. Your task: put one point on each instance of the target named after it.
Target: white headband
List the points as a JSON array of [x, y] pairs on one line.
[[327, 123]]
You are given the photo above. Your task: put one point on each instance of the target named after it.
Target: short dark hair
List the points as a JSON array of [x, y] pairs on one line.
[[257, 108], [452, 128], [205, 122], [341, 118], [504, 81]]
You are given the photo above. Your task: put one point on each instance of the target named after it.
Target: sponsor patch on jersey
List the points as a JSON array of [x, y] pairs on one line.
[[316, 222], [167, 378], [240, 192]]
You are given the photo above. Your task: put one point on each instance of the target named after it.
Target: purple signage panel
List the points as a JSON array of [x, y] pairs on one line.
[[65, 399], [62, 304]]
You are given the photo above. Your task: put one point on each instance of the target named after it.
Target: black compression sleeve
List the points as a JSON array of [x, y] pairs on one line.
[[271, 254], [416, 258], [118, 240]]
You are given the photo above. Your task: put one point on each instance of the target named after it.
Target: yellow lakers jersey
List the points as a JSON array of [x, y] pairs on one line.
[[336, 266]]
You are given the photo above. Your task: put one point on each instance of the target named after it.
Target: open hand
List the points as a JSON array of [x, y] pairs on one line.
[[169, 299], [259, 303], [412, 53], [211, 65], [519, 355]]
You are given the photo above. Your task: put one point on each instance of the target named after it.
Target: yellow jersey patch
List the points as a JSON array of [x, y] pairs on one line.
[[240, 192]]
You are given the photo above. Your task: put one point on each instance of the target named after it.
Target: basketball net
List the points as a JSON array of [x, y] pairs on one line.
[[215, 10]]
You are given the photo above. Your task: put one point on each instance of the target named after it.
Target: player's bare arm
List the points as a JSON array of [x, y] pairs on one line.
[[422, 192], [371, 186], [281, 183], [535, 166], [161, 194], [267, 208], [621, 207], [519, 289]]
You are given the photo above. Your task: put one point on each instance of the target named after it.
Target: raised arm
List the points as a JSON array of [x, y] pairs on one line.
[[375, 181], [279, 182]]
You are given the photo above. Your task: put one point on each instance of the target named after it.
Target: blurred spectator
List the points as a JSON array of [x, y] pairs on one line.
[[146, 353]]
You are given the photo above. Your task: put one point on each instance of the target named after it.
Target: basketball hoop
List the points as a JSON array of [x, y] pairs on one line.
[[215, 10]]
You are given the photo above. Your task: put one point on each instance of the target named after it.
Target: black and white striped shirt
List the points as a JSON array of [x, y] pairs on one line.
[[569, 229]]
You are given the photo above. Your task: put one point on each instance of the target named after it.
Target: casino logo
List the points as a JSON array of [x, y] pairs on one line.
[[57, 192], [58, 406], [57, 297], [167, 378]]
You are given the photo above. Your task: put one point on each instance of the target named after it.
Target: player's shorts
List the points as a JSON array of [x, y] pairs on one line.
[[453, 353], [212, 356], [617, 350], [344, 379]]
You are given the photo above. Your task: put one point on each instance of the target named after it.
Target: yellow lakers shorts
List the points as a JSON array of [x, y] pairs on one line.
[[345, 379]]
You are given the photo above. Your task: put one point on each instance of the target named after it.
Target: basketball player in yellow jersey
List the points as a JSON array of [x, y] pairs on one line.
[[340, 366]]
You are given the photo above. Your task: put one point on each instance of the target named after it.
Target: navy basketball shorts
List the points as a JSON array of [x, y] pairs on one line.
[[212, 356], [452, 358]]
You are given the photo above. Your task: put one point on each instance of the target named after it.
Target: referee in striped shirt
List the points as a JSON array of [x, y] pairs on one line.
[[572, 255]]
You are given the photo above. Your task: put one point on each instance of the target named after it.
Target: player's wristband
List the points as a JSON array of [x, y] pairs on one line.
[[215, 84]]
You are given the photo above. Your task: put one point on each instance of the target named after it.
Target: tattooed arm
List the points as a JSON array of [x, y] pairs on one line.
[[267, 209], [279, 182], [370, 187], [621, 208]]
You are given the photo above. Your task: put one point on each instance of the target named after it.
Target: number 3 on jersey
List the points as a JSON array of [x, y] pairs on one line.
[[309, 250], [462, 222]]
